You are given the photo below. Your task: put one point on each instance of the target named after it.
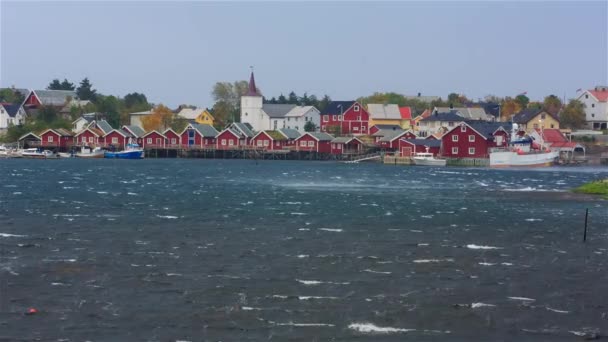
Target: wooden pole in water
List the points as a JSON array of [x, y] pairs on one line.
[[585, 233]]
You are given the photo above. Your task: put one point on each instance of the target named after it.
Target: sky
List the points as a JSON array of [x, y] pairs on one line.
[[174, 52]]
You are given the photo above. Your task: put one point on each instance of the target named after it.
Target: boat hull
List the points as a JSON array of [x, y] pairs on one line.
[[136, 154], [513, 159], [92, 155], [429, 162]]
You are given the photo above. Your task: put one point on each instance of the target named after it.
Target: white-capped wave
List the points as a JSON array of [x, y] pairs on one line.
[[426, 261], [336, 230], [169, 217], [480, 305], [525, 299], [473, 246], [319, 282], [558, 311], [370, 328], [377, 272], [11, 235]]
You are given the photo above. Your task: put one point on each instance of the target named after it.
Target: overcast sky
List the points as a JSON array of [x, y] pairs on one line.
[[174, 52]]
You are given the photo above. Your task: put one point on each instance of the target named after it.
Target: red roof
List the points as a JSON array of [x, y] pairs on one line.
[[552, 135], [406, 113], [601, 96]]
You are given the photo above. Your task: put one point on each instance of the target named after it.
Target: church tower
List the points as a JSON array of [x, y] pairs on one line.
[[251, 106]]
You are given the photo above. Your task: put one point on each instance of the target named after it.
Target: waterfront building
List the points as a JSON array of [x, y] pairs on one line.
[[473, 139], [596, 107], [345, 118], [530, 119], [314, 142], [197, 135]]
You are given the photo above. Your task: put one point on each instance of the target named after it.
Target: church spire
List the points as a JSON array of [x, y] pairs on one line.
[[253, 91]]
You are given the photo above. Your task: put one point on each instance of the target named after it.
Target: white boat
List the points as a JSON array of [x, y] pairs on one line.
[[38, 154], [427, 159], [4, 152], [65, 155], [87, 152], [521, 153]]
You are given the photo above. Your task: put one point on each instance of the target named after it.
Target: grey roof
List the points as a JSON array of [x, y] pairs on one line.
[[528, 114], [277, 110], [104, 126], [138, 131], [385, 132], [488, 128], [55, 97], [205, 130], [321, 136], [343, 140], [384, 111], [445, 116], [467, 113], [390, 137], [424, 142], [290, 133], [12, 109], [243, 128]]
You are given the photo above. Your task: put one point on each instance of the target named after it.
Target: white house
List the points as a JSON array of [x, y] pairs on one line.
[[11, 114], [596, 107], [298, 116], [135, 118], [264, 117]]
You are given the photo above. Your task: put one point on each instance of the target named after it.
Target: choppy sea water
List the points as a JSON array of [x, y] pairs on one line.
[[237, 250]]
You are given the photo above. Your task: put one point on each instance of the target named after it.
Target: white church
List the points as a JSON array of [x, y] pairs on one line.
[[263, 116]]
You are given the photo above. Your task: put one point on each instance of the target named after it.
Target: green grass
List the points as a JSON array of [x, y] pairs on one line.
[[595, 188]]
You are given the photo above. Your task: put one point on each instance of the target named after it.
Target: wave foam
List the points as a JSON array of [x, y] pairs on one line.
[[473, 246], [374, 329]]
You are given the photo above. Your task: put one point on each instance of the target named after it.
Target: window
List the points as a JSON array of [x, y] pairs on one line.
[[454, 138], [275, 124], [260, 143], [84, 139], [463, 128], [552, 126], [297, 128], [535, 126], [586, 96], [355, 128], [114, 140], [454, 150], [303, 143], [356, 108], [223, 142], [593, 105], [278, 143], [325, 118], [50, 138], [451, 124], [340, 118], [266, 143], [311, 144], [471, 138], [471, 150], [231, 142], [592, 115], [90, 139], [148, 140], [339, 146], [173, 141], [358, 117], [363, 128], [542, 116], [288, 119], [334, 117]]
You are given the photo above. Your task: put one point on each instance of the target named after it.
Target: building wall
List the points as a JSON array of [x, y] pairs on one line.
[[120, 140], [373, 122], [157, 140], [50, 139], [135, 120], [226, 141], [89, 138], [312, 144], [596, 112], [251, 112], [480, 144], [185, 142], [355, 120], [429, 127], [170, 135], [542, 120], [204, 118], [263, 141]]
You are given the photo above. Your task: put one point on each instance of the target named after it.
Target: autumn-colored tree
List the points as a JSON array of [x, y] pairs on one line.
[[573, 115], [508, 108], [160, 119], [552, 104]]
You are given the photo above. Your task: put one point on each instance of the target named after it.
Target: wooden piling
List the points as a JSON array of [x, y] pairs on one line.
[[585, 232]]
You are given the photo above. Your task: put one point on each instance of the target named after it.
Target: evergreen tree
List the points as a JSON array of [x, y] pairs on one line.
[[292, 98], [85, 91], [282, 99]]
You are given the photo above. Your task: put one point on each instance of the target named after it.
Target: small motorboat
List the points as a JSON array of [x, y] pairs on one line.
[[65, 155], [427, 159], [36, 153], [132, 151], [87, 152]]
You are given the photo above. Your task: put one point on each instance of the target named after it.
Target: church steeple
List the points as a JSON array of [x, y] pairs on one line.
[[253, 90]]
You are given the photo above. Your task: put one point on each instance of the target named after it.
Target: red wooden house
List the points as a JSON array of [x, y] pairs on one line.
[[269, 140], [291, 135], [346, 145], [345, 117], [57, 137], [135, 132], [173, 139], [391, 141], [117, 138], [314, 142], [473, 139], [408, 147], [89, 137], [198, 136], [153, 139], [227, 140]]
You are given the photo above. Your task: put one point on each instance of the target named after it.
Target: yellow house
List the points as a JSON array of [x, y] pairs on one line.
[[530, 119], [389, 114], [198, 115]]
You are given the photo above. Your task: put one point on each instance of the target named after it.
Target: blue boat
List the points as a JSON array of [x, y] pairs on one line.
[[132, 151]]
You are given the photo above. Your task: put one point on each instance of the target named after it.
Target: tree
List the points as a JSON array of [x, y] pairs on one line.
[[85, 91], [110, 106], [508, 108], [292, 98], [135, 99], [64, 85], [310, 126], [573, 115], [282, 99], [552, 104], [324, 103], [522, 100], [47, 114], [179, 124], [8, 95], [227, 98], [160, 119]]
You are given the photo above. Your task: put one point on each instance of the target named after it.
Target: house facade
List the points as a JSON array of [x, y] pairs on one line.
[[88, 137], [438, 122], [346, 145], [345, 118], [198, 136], [473, 139], [197, 115], [391, 141], [596, 107], [58, 138], [173, 138], [228, 139], [11, 114], [154, 139], [269, 140], [314, 142], [384, 114], [409, 147], [299, 116], [531, 119], [116, 138]]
